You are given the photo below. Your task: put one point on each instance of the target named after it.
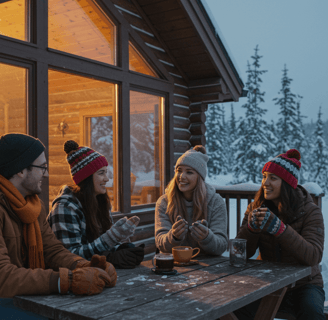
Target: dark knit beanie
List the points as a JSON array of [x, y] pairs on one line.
[[18, 151], [83, 161], [286, 166]]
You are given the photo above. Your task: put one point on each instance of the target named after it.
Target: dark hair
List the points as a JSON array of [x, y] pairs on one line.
[[288, 202], [29, 168], [95, 208]]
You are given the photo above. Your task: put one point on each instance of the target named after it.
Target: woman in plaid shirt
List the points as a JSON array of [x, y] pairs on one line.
[[81, 214]]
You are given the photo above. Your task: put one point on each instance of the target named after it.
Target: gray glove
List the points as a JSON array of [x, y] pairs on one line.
[[123, 229]]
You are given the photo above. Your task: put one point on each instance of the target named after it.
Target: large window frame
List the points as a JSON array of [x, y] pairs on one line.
[[36, 56]]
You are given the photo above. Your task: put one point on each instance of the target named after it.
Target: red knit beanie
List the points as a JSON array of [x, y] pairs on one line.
[[83, 161], [286, 166]]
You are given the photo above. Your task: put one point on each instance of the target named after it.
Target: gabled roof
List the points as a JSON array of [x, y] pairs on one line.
[[183, 38], [194, 45]]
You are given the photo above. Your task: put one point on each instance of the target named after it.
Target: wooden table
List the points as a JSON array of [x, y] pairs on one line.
[[209, 290]]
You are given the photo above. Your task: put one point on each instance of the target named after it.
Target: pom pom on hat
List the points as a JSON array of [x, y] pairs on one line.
[[286, 166], [70, 145], [83, 161], [293, 153], [200, 148]]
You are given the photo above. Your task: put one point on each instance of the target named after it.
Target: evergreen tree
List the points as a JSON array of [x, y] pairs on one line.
[[232, 134], [102, 139], [253, 141], [287, 124], [216, 140], [142, 141], [319, 163], [299, 140]]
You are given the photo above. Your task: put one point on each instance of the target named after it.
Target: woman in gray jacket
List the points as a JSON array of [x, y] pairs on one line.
[[191, 213]]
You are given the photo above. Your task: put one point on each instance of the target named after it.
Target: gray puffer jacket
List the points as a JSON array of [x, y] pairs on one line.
[[216, 241]]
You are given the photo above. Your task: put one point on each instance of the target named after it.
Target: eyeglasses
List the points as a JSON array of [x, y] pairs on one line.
[[44, 169]]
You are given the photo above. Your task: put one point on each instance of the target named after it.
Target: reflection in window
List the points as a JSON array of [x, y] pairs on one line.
[[14, 19], [146, 145], [13, 99], [138, 64], [80, 27], [84, 110]]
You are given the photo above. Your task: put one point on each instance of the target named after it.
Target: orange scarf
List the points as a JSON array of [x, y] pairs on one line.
[[28, 212]]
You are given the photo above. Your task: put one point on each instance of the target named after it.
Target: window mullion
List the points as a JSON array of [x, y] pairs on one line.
[[39, 23], [124, 152]]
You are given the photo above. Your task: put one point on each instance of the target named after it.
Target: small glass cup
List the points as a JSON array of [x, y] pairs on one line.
[[238, 254]]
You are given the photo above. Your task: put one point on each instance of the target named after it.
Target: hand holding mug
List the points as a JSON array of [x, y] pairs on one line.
[[261, 213], [253, 224], [199, 230], [180, 228]]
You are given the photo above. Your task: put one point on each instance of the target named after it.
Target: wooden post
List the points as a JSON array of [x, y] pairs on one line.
[[197, 123]]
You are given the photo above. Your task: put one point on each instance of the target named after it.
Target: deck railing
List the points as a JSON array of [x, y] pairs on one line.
[[145, 231], [247, 191]]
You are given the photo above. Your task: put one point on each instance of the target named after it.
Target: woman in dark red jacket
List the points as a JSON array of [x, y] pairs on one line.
[[286, 226]]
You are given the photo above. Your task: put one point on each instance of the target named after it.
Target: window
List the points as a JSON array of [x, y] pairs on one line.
[[15, 19], [137, 62], [13, 99], [146, 145], [84, 110], [81, 28]]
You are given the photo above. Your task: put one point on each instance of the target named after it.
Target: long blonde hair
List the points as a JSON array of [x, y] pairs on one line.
[[176, 205]]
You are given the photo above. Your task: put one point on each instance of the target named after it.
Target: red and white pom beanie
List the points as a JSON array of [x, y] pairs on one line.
[[286, 166], [83, 161]]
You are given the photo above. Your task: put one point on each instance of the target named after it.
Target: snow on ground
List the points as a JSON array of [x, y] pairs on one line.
[[223, 181]]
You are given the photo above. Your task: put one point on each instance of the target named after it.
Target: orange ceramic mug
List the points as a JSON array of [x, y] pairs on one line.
[[183, 254]]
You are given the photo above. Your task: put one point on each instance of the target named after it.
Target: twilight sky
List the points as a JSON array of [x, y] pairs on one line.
[[291, 32]]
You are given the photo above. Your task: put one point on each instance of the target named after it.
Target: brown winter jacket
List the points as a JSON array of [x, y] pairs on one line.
[[301, 243], [15, 277]]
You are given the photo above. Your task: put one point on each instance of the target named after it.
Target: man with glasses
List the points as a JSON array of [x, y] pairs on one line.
[[32, 260]]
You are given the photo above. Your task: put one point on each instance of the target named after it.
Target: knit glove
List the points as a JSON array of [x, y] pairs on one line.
[[127, 258], [101, 263], [123, 229], [252, 218], [199, 230], [179, 228], [272, 224], [86, 281]]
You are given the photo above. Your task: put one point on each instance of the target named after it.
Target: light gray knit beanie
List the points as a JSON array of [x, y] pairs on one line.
[[195, 158]]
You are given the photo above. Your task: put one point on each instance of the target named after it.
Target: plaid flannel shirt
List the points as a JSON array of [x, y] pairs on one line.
[[67, 221]]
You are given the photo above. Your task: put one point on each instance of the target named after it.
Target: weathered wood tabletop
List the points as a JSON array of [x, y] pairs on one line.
[[208, 290]]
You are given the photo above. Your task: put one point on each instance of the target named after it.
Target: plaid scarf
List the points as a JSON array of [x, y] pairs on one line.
[[28, 211]]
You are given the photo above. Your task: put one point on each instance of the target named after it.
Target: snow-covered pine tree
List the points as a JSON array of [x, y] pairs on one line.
[[319, 163], [216, 143], [102, 139], [299, 141], [231, 137], [224, 138], [142, 140], [286, 124], [252, 145]]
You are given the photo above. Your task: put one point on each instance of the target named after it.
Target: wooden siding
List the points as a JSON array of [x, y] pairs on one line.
[[181, 100]]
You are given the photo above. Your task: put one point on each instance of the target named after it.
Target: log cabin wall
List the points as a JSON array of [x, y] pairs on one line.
[[138, 17], [71, 98], [168, 28]]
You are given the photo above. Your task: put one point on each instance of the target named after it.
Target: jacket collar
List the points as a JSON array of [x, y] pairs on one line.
[[5, 204]]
